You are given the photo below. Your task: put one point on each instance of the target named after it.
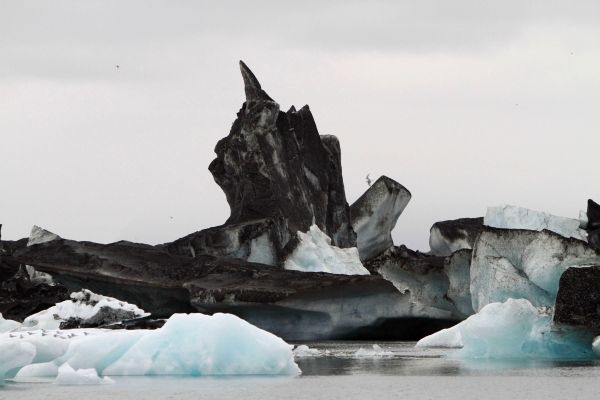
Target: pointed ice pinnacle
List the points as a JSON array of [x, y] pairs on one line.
[[251, 85]]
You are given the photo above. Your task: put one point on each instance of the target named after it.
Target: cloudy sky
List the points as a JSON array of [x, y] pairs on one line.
[[466, 103]]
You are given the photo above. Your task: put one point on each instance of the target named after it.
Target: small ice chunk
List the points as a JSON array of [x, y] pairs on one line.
[[513, 217], [315, 253], [303, 351], [374, 352], [69, 376]]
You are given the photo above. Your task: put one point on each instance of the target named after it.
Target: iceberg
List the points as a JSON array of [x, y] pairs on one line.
[[513, 217], [512, 330], [85, 308], [315, 253], [303, 351], [188, 344]]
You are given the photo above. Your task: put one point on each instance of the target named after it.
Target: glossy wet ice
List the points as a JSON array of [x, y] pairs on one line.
[[342, 371]]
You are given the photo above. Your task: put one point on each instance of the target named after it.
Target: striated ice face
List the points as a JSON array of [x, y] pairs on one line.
[[513, 217], [84, 306], [188, 344], [315, 253], [513, 329], [523, 264]]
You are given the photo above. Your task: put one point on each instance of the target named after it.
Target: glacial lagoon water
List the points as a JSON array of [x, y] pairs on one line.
[[343, 371]]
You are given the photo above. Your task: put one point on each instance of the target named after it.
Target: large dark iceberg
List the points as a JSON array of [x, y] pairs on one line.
[[283, 180]]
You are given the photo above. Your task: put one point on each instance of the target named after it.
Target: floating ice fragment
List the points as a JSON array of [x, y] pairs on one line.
[[303, 350], [375, 352]]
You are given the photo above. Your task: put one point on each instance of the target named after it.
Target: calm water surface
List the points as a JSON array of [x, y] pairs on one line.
[[402, 373]]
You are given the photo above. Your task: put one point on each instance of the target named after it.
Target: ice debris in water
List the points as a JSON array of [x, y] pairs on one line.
[[303, 351], [87, 307], [68, 376], [513, 217], [513, 329], [188, 344], [315, 253], [375, 352]]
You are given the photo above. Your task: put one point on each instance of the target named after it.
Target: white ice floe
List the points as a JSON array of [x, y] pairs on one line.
[[513, 329], [7, 325], [85, 306], [374, 352], [188, 344], [513, 217], [68, 376], [315, 253]]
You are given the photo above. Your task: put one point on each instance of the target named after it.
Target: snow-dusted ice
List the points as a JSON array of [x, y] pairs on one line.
[[188, 344], [315, 253], [513, 217], [511, 330], [85, 306]]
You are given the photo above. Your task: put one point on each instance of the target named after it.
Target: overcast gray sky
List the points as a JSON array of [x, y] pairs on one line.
[[466, 103]]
